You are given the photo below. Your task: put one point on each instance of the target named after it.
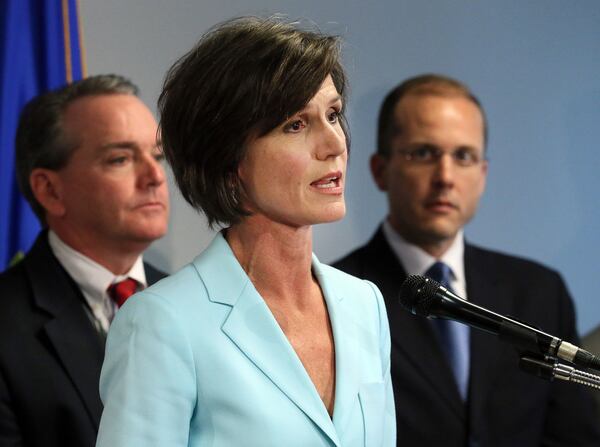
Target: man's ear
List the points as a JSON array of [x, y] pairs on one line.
[[484, 173], [379, 166], [46, 186]]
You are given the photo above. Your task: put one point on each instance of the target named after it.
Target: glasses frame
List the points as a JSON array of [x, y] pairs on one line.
[[427, 155]]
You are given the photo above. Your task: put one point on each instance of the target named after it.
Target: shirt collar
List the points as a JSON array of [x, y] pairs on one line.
[[417, 261], [92, 278]]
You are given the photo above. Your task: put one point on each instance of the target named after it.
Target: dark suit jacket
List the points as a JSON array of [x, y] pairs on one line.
[[50, 355], [506, 407], [591, 342]]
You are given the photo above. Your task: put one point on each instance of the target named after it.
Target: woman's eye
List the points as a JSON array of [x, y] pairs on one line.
[[334, 117], [294, 126]]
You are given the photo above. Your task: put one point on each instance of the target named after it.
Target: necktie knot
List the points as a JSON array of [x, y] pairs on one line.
[[441, 273], [122, 290]]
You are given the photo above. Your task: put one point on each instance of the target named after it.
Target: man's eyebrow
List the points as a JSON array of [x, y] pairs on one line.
[[127, 145], [119, 145], [467, 147]]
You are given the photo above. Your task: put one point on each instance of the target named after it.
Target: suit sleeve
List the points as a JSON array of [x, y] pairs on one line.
[[571, 418], [389, 435], [148, 381], [10, 432]]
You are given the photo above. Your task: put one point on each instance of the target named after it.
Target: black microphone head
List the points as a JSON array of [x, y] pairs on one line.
[[417, 294]]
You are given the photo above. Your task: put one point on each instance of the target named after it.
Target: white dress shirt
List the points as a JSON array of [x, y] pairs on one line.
[[417, 261], [93, 279]]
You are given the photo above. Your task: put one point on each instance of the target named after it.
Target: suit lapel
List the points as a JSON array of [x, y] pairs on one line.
[[76, 343], [412, 337], [347, 380], [252, 328], [485, 288], [152, 274]]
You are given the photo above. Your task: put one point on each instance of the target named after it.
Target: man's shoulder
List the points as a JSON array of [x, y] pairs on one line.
[[591, 341], [359, 260], [17, 303], [38, 271], [13, 280], [489, 259], [352, 261]]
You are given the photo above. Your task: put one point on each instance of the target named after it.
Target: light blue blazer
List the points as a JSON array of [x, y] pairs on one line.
[[199, 360]]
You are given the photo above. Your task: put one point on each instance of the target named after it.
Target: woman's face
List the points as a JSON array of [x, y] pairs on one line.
[[295, 174]]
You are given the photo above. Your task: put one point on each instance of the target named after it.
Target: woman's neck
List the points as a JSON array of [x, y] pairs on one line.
[[276, 257]]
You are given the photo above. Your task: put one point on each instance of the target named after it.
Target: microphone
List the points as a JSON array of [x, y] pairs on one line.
[[550, 370], [427, 298]]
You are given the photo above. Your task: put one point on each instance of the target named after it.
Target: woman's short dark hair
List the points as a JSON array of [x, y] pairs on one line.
[[241, 80]]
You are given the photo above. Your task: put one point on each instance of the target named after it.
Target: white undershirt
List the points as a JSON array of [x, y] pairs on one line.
[[93, 279], [417, 261]]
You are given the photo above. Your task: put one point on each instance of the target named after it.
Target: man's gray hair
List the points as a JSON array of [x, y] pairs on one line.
[[40, 140]]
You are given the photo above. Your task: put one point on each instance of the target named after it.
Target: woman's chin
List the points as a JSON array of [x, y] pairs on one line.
[[333, 213]]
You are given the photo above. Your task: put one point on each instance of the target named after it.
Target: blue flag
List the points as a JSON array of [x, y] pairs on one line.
[[40, 49]]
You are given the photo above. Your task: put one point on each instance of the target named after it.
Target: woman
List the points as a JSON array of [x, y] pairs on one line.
[[255, 343]]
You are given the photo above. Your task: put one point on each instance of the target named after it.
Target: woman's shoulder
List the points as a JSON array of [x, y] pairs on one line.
[[213, 276], [341, 277], [360, 300], [349, 286], [179, 283], [182, 290]]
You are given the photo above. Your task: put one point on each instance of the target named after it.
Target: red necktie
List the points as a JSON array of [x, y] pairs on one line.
[[122, 290]]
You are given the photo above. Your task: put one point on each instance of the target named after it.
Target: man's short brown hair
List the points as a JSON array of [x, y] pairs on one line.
[[422, 85]]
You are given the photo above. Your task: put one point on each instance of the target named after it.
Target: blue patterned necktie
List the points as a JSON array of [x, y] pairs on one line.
[[453, 336]]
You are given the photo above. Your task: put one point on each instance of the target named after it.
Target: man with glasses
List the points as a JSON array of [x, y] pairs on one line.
[[454, 386]]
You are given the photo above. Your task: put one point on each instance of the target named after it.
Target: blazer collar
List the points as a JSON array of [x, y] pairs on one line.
[[252, 328], [347, 377], [75, 341], [412, 336]]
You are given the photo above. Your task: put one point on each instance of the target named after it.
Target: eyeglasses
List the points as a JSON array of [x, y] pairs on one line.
[[429, 155]]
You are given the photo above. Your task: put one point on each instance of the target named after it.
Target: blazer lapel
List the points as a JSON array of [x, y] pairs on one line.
[[153, 275], [75, 341], [412, 337], [485, 288], [347, 382], [252, 328]]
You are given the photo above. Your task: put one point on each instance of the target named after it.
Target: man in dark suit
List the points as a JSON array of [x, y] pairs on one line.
[[591, 342], [454, 386], [89, 163]]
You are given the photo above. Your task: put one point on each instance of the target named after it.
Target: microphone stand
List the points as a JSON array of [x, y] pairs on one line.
[[550, 369]]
